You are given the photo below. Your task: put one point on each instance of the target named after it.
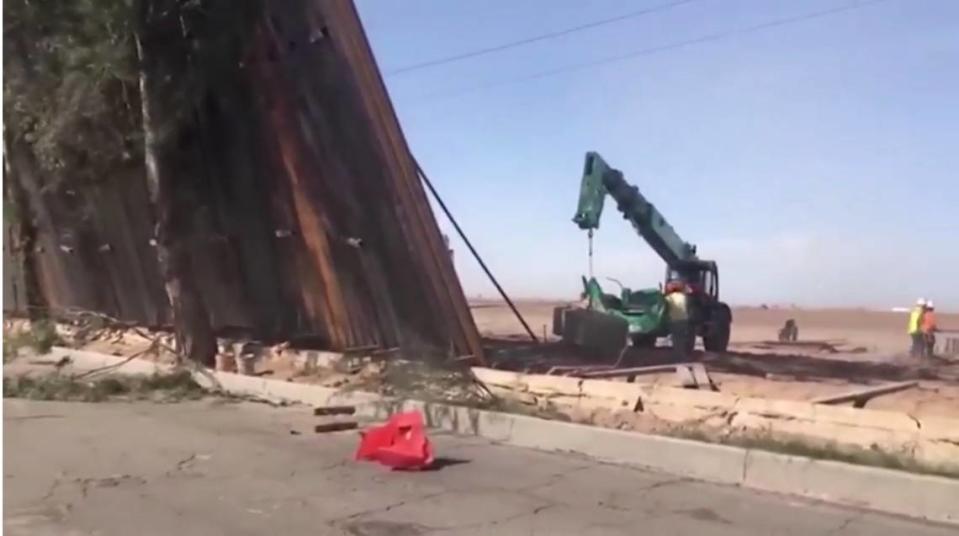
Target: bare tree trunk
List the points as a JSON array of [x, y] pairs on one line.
[[19, 182], [167, 173], [23, 232]]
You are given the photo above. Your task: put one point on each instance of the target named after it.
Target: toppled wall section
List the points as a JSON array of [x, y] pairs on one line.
[[311, 222], [930, 441]]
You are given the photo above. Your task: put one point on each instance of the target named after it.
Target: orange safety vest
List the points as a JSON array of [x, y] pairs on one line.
[[929, 322]]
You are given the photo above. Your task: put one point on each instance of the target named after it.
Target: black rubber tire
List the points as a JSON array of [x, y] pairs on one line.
[[643, 341], [718, 340]]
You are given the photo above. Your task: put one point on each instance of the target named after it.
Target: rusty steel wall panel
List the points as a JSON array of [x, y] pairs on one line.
[[314, 54], [91, 249], [425, 238], [310, 220]]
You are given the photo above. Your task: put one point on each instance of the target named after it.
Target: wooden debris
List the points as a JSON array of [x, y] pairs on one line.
[[334, 410], [694, 376], [701, 377], [576, 370], [685, 377], [225, 362], [335, 426], [776, 377], [859, 397]]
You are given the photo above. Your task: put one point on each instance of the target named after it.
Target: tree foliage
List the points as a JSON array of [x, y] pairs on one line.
[[70, 86], [71, 83]]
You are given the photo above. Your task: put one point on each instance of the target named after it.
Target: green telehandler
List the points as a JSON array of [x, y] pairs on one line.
[[644, 311]]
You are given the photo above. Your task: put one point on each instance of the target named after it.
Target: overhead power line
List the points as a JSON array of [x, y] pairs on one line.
[[542, 37], [717, 36]]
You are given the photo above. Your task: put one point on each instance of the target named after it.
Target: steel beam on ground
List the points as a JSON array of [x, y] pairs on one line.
[[633, 371], [859, 397]]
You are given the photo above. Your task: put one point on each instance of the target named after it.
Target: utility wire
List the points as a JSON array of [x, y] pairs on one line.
[[542, 37], [717, 36]]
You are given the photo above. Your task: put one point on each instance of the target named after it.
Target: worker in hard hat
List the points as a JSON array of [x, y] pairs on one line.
[[929, 328], [677, 311], [915, 328]]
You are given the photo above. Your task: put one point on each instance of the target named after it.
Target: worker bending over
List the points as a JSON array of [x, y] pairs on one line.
[[915, 328], [677, 309], [929, 329]]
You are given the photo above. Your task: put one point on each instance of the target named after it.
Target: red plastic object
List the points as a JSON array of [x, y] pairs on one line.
[[401, 443], [373, 439]]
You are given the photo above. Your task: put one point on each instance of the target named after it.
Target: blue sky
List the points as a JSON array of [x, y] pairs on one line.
[[817, 162]]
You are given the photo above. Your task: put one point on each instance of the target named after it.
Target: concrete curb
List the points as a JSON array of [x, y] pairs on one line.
[[918, 496]]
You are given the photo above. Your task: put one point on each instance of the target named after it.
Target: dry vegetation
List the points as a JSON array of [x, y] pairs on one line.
[[171, 387]]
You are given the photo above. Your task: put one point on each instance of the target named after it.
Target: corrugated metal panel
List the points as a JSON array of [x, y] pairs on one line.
[[431, 248], [310, 219], [91, 249]]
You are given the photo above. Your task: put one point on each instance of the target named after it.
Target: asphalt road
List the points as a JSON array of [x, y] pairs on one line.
[[213, 467]]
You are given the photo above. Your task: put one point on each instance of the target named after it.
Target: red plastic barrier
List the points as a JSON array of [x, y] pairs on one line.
[[401, 443]]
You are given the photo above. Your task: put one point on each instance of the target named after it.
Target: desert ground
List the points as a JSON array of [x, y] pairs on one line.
[[839, 350]]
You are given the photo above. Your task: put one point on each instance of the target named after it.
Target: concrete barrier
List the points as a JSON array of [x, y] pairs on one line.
[[927, 497], [919, 496], [932, 441]]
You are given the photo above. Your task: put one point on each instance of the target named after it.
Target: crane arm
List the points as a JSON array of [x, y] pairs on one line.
[[599, 180]]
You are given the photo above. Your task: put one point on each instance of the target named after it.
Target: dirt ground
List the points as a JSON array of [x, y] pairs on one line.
[[839, 350]]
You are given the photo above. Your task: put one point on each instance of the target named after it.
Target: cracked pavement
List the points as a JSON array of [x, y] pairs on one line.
[[214, 467]]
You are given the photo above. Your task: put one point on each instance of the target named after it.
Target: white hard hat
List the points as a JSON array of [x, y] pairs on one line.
[[929, 304], [921, 301]]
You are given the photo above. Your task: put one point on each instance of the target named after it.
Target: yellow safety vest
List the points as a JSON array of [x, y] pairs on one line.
[[676, 306], [915, 320]]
